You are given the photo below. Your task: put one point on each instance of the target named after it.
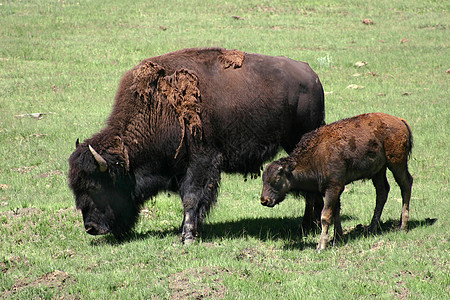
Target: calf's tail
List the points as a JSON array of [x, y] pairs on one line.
[[410, 137]]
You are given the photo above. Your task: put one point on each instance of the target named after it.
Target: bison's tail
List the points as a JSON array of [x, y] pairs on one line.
[[410, 137]]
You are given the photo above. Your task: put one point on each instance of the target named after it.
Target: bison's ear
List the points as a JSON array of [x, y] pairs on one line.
[[77, 143], [121, 150]]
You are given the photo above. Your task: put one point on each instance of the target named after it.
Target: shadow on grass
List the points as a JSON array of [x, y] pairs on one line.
[[388, 226], [287, 229]]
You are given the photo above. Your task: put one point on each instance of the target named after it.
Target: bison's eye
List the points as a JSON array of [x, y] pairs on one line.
[[94, 187]]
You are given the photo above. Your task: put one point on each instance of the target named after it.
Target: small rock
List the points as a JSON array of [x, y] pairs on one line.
[[368, 21], [37, 116], [355, 87], [360, 64]]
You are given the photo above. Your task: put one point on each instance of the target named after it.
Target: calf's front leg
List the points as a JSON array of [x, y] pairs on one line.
[[313, 210], [331, 203]]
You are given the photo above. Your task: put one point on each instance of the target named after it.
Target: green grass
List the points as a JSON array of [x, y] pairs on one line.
[[65, 59]]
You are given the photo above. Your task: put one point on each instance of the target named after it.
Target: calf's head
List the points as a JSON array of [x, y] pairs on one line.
[[103, 190], [276, 184]]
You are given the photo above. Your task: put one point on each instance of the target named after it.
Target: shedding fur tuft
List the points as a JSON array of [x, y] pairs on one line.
[[181, 91], [146, 74], [231, 58]]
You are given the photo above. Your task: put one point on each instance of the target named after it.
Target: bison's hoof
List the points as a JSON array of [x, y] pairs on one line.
[[188, 242], [188, 239]]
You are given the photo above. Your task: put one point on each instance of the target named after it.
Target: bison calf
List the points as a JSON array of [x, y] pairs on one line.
[[328, 158]]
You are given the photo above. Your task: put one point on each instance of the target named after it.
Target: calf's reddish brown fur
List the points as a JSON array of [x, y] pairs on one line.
[[334, 155]]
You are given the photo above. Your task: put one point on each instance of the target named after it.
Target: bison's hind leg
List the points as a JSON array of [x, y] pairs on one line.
[[405, 181], [382, 189]]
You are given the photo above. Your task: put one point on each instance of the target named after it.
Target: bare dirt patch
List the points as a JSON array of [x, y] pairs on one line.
[[12, 263], [199, 283], [50, 173], [53, 280], [25, 169], [21, 212], [251, 255]]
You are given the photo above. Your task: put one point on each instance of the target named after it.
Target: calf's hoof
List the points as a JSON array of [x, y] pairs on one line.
[[404, 227], [322, 244], [320, 248]]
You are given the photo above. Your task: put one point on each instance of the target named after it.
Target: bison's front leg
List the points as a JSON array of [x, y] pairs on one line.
[[198, 191]]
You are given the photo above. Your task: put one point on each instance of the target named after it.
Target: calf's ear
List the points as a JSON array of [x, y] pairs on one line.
[[289, 169], [77, 143]]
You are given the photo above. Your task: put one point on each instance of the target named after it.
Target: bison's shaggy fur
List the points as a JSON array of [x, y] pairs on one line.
[[182, 118], [328, 158]]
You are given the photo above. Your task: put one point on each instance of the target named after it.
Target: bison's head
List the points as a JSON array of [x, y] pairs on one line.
[[276, 184], [103, 188]]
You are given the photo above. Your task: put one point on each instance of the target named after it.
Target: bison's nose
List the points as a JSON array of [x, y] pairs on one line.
[[96, 229], [91, 228]]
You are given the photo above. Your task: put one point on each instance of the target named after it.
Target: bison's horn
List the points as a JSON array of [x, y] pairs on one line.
[[100, 160]]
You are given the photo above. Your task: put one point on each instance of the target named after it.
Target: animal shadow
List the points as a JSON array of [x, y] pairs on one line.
[[270, 228], [390, 225]]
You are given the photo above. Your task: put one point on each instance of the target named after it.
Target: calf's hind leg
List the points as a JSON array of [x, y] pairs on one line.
[[382, 189], [405, 181]]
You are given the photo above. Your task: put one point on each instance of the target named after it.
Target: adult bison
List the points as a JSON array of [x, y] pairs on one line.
[[182, 118]]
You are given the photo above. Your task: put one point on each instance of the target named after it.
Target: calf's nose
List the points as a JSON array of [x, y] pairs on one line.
[[265, 201]]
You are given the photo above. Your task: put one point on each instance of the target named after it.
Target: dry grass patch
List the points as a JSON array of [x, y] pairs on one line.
[[54, 280]]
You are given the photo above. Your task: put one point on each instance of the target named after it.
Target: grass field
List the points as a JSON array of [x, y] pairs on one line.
[[64, 59]]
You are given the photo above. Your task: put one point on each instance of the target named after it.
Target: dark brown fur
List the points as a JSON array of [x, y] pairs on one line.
[[182, 118], [328, 158]]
